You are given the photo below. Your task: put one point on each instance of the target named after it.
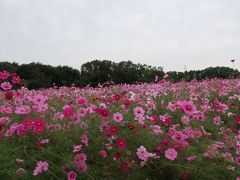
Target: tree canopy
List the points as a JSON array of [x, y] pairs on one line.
[[37, 75]]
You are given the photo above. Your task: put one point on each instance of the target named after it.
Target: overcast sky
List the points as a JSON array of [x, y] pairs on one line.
[[168, 33]]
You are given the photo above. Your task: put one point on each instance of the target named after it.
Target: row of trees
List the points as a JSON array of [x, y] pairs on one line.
[[37, 75], [208, 73]]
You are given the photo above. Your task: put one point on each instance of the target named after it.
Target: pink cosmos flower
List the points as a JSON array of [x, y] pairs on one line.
[[138, 111], [188, 107], [154, 119], [44, 141], [41, 166], [6, 109], [220, 107], [39, 99], [12, 129], [217, 121], [40, 107], [77, 148], [72, 175], [238, 160], [21, 131], [191, 158], [228, 156], [80, 157], [80, 162], [4, 121], [171, 154], [118, 117], [81, 100], [143, 154], [23, 110], [6, 86], [185, 120], [157, 130], [82, 112], [165, 76], [84, 139], [103, 153]]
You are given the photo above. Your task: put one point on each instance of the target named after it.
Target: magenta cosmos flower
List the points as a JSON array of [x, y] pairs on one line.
[[4, 75], [68, 111], [188, 107], [72, 175], [16, 80], [121, 143], [171, 154]]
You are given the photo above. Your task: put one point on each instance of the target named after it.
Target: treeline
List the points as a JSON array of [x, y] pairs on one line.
[[37, 75]]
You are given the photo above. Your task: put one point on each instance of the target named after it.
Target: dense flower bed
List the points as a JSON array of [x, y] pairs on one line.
[[161, 130]]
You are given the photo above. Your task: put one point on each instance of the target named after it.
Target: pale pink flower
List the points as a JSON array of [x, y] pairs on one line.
[[142, 153], [185, 120], [171, 154], [118, 117], [84, 139], [19, 160], [157, 130], [82, 112], [138, 111], [228, 156], [41, 166], [77, 148], [23, 109], [39, 99], [6, 109], [103, 153], [191, 158], [217, 121], [44, 141], [4, 121], [6, 86]]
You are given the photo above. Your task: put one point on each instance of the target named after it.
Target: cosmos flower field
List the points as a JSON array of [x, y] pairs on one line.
[[162, 130]]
